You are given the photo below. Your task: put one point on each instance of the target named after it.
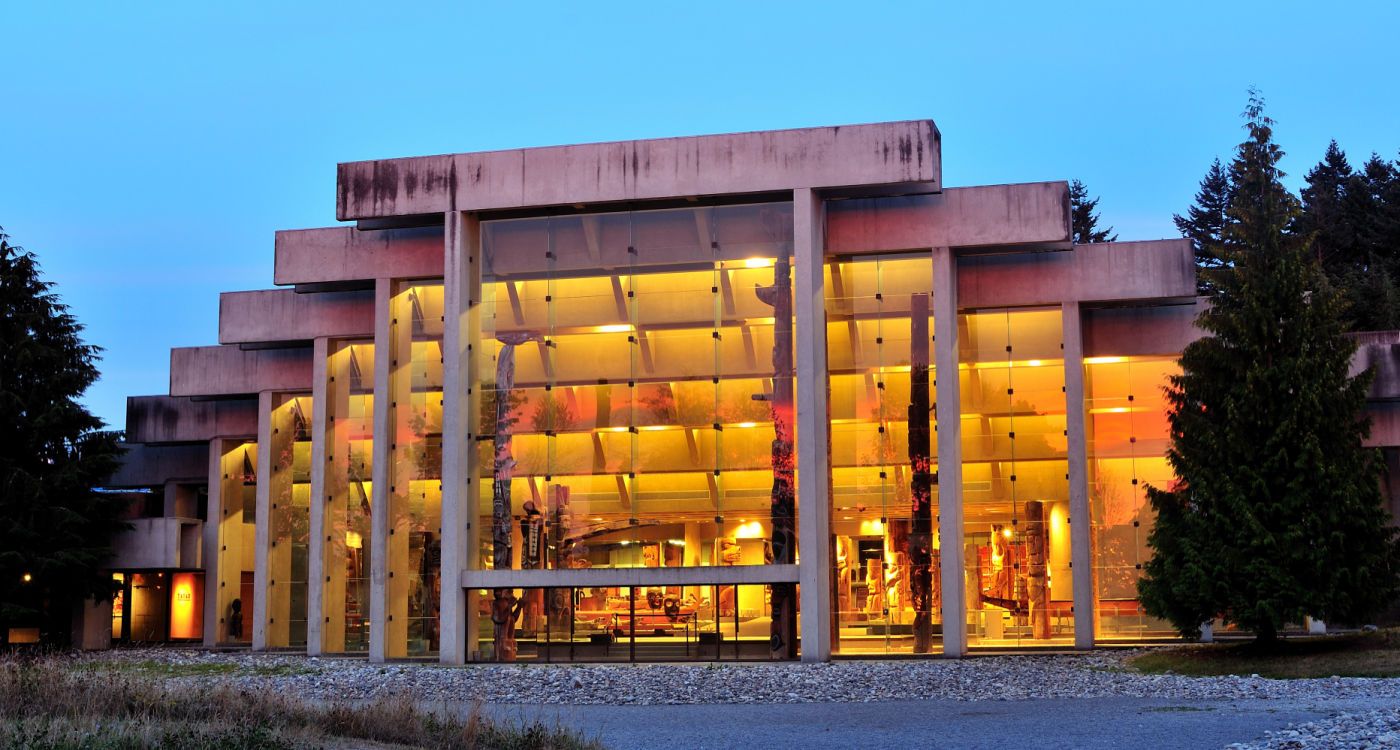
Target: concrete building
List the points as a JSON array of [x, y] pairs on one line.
[[763, 395]]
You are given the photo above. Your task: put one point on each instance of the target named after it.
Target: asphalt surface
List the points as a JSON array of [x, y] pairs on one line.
[[1136, 723]]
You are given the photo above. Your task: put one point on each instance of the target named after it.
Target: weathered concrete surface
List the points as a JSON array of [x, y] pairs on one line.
[[167, 419], [846, 156], [153, 465], [1035, 213], [230, 371], [339, 254], [158, 543], [1380, 351], [274, 315], [1098, 273], [1140, 331]]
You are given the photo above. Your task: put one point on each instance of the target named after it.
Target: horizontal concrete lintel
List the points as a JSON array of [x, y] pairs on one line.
[[230, 371], [150, 465], [599, 577], [282, 315], [775, 160], [332, 255], [170, 419], [1107, 272], [1034, 214]]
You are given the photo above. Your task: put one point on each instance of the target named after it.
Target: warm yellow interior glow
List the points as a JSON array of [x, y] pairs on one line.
[[1104, 360], [758, 262], [614, 328], [353, 540]]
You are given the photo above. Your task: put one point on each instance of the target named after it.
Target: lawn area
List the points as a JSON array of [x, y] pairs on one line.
[[56, 704], [1374, 654]]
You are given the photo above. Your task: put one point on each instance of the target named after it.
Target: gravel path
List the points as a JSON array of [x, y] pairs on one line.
[[1361, 730]]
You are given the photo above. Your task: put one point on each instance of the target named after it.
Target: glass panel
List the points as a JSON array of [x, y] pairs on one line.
[[1016, 522], [237, 539], [415, 472], [289, 526], [1127, 435], [150, 595], [884, 505], [349, 455]]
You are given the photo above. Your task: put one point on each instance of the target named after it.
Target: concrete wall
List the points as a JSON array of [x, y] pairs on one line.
[[230, 371], [776, 160], [1100, 273], [342, 254], [274, 315], [157, 543], [1380, 351], [167, 419], [154, 465], [969, 217], [1139, 331]]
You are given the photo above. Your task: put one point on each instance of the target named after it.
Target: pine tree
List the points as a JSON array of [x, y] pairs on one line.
[[1325, 213], [1205, 222], [1276, 511], [54, 528], [1084, 217]]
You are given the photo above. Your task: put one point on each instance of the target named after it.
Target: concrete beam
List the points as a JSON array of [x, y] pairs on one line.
[[230, 371], [277, 315], [1035, 213], [1380, 351], [155, 543], [1081, 547], [948, 413], [1140, 331], [604, 577], [1100, 273], [343, 254], [461, 329], [813, 425], [777, 160], [151, 465], [167, 419], [316, 516], [379, 474], [262, 535]]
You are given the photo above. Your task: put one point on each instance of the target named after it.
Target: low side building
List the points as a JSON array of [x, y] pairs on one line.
[[767, 395]]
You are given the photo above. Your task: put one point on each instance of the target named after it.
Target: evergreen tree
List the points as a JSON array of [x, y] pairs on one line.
[[1326, 215], [1276, 510], [54, 528], [1205, 222], [1084, 217]]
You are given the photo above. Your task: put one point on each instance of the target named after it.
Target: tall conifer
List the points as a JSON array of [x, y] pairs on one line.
[[1276, 511], [1084, 216], [1204, 223]]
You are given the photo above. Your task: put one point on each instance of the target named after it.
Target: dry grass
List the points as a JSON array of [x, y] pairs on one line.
[[45, 703], [1374, 654]]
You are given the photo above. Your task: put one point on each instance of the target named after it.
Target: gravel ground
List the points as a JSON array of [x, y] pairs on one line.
[[1368, 729], [1095, 675]]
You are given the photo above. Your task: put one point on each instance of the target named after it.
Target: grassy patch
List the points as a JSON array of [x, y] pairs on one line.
[[1361, 655], [48, 703], [155, 668]]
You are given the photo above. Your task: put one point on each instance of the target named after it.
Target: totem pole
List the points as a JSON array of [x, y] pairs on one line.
[[503, 606], [1037, 594], [784, 535], [920, 544]]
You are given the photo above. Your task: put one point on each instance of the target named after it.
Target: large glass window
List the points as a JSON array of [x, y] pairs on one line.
[[414, 560], [289, 522], [879, 314], [1128, 436], [1016, 522], [637, 394], [349, 455], [237, 519]]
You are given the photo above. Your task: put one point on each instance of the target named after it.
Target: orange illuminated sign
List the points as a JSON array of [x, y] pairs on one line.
[[186, 606]]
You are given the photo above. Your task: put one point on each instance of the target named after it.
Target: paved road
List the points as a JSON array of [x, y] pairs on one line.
[[1134, 723]]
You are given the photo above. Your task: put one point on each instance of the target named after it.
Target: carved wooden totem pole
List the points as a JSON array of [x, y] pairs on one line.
[[920, 549], [503, 606], [783, 641], [1037, 588]]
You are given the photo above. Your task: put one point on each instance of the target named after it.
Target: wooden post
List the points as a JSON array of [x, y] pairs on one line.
[[1038, 594], [503, 608]]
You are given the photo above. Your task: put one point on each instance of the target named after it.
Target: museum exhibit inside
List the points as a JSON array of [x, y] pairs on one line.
[[769, 395]]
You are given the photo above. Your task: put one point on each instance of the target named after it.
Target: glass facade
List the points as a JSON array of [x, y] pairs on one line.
[[1127, 438], [637, 403], [1016, 523], [413, 587], [237, 519], [349, 444], [883, 452], [289, 520]]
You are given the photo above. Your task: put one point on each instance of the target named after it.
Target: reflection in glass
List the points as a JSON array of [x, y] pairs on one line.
[[349, 454], [289, 520], [237, 536]]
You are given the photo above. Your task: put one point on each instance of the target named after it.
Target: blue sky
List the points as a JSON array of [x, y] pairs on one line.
[[149, 151]]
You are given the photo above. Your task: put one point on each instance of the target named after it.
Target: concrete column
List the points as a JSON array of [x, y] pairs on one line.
[[1080, 524], [261, 600], [213, 515], [379, 473], [461, 332], [813, 440], [948, 409], [316, 546]]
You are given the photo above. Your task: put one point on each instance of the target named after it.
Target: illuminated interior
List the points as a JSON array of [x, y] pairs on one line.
[[879, 355], [1127, 441], [349, 490], [237, 538], [1016, 523], [413, 588], [289, 522], [637, 392]]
